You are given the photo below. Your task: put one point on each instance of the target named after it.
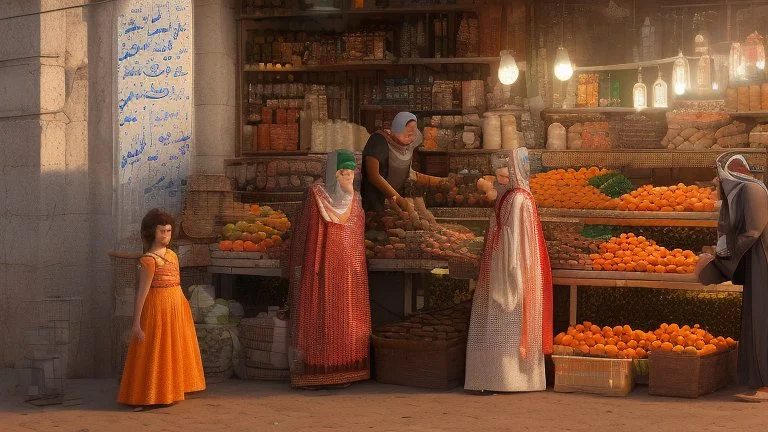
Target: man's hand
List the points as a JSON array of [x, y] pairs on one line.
[[704, 260]]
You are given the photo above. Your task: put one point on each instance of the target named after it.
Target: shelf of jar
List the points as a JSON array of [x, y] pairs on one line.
[[375, 64], [375, 107]]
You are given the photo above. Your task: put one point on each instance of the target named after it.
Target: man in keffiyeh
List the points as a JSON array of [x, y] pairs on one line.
[[328, 283], [742, 257], [511, 324]]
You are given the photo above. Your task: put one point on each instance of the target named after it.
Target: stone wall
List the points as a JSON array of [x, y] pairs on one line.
[[215, 82], [57, 157]]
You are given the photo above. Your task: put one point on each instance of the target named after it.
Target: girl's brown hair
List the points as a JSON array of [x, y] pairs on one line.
[[151, 221]]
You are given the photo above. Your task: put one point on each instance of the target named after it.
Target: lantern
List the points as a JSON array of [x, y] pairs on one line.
[[700, 44], [704, 72], [737, 68], [563, 66], [508, 70], [640, 92], [681, 75], [660, 92], [754, 51]]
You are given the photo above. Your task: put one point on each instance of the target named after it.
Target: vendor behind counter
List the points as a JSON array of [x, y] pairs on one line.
[[387, 158]]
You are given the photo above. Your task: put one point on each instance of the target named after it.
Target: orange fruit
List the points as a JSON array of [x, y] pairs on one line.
[[559, 338], [611, 350], [565, 340], [690, 350], [666, 346], [678, 349]]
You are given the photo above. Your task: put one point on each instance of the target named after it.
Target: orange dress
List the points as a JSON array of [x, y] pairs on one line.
[[166, 364]]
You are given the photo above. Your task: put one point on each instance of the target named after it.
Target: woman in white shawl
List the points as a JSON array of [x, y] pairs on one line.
[[742, 257], [511, 325]]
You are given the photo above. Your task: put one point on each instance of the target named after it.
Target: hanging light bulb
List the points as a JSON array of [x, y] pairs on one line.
[[563, 66], [660, 92], [681, 75], [640, 92], [508, 70]]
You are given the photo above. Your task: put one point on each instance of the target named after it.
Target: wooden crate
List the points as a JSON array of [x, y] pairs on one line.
[[690, 376], [602, 376], [435, 365]]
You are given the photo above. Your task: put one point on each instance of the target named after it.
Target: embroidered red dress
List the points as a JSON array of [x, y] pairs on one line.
[[330, 311]]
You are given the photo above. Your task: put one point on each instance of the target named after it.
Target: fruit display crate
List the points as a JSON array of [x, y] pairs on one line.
[[689, 376], [601, 376]]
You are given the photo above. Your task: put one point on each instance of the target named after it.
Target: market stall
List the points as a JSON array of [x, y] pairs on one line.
[[622, 153]]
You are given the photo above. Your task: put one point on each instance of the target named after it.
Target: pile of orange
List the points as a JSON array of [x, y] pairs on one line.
[[624, 342], [616, 342], [679, 198], [689, 340], [570, 189], [629, 252]]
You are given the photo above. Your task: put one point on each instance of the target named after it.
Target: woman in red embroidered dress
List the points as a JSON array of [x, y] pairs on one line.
[[330, 312]]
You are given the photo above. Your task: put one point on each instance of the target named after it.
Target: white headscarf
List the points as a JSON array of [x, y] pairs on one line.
[[520, 169], [731, 183], [399, 123]]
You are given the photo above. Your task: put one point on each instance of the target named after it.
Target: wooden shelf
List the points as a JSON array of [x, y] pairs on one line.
[[629, 66], [631, 218], [600, 110], [293, 13], [413, 10], [407, 266], [591, 217], [644, 158], [370, 65], [371, 107], [748, 114], [378, 64], [618, 279]]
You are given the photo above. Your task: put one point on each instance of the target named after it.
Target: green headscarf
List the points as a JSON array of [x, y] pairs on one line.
[[345, 159]]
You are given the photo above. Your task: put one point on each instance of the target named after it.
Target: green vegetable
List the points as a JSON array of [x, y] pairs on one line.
[[612, 184], [601, 232]]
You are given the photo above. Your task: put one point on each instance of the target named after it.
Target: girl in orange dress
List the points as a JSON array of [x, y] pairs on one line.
[[163, 359]]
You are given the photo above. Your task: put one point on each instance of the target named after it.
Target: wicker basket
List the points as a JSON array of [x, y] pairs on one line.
[[206, 195], [602, 376], [217, 350], [435, 365], [673, 374]]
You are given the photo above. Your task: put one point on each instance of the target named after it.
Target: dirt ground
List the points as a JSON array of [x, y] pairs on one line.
[[238, 405]]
